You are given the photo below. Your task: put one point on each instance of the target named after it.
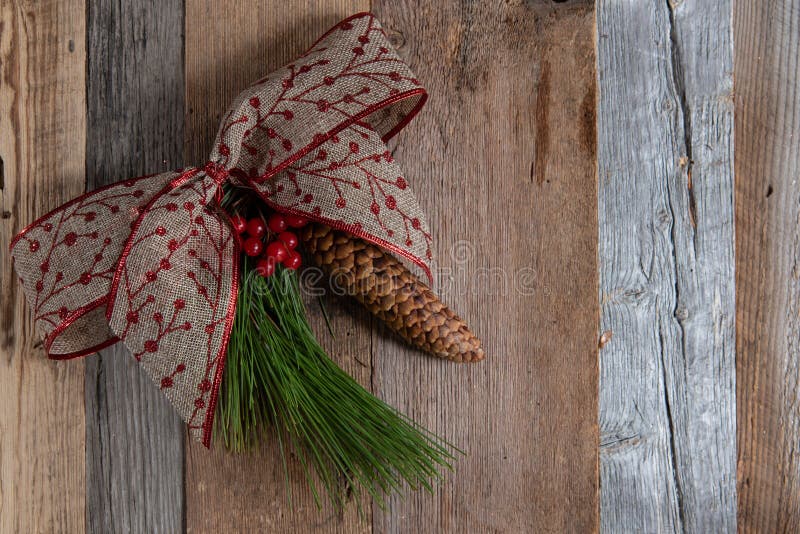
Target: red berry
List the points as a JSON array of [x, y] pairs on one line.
[[239, 224], [296, 221], [276, 223], [265, 266], [253, 246], [277, 251], [256, 227], [293, 260], [289, 239]]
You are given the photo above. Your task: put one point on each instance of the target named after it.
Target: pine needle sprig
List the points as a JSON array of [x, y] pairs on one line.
[[279, 382]]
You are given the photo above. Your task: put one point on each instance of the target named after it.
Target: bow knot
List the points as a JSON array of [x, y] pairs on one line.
[[153, 261], [216, 172]]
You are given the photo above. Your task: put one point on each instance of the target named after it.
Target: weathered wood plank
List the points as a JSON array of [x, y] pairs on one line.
[[134, 439], [767, 63], [229, 45], [503, 161], [665, 157], [42, 141]]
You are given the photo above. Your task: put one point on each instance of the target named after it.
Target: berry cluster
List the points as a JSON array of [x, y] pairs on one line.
[[280, 249]]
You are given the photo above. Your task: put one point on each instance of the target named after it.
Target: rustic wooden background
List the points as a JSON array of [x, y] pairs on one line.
[[577, 162]]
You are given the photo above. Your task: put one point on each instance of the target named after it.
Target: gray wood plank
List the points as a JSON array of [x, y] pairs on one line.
[[665, 157], [767, 65], [135, 93]]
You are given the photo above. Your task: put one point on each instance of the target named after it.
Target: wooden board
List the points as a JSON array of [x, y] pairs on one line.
[[42, 141], [229, 45], [665, 156], [767, 36], [502, 159], [134, 438]]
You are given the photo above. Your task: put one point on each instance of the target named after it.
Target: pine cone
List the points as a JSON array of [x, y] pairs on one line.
[[392, 293]]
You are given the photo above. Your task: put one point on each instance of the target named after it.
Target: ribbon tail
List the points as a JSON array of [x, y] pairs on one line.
[[173, 296]]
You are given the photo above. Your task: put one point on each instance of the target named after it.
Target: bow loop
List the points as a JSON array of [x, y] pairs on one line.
[[352, 73], [67, 259], [310, 138]]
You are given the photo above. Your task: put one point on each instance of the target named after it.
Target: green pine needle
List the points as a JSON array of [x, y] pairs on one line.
[[280, 384]]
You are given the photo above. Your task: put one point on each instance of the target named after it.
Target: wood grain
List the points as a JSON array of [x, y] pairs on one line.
[[42, 141], [134, 438], [229, 45], [665, 157], [502, 160], [767, 62]]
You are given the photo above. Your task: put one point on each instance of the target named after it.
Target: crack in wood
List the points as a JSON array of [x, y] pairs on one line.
[[671, 433], [679, 316], [542, 117], [617, 443], [680, 91]]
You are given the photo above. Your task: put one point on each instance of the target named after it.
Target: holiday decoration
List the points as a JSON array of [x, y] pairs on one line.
[[194, 270]]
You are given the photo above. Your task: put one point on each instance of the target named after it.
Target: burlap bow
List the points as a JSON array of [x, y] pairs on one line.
[[153, 261]]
